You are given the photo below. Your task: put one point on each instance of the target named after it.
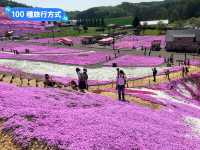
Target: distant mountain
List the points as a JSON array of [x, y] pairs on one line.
[[4, 3], [168, 9]]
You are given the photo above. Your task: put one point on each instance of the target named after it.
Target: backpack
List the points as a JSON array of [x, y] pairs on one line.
[[81, 77], [85, 76]]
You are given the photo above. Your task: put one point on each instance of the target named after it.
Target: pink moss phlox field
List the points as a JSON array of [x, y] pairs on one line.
[[134, 42], [136, 61], [195, 62], [38, 49], [52, 54], [75, 40], [71, 120], [19, 27], [74, 59], [182, 94]]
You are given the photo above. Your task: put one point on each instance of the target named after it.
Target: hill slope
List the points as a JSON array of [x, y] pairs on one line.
[[171, 9], [11, 4]]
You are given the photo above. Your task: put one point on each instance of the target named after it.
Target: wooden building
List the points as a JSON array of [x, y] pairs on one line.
[[183, 40]]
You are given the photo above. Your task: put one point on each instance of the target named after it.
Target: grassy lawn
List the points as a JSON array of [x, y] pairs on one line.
[[67, 31], [151, 32], [119, 21]]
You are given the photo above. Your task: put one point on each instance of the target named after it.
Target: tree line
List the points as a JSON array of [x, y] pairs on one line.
[[5, 3], [91, 22], [168, 9]]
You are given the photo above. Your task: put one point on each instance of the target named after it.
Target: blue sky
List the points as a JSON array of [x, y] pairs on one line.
[[76, 4]]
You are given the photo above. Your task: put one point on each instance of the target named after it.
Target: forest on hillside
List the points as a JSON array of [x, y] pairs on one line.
[[174, 10], [168, 9]]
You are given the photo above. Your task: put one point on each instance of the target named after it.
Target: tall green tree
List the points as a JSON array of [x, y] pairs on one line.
[[102, 22], [136, 22], [136, 25]]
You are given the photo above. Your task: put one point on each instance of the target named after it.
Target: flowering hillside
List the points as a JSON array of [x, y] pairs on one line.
[[70, 120]]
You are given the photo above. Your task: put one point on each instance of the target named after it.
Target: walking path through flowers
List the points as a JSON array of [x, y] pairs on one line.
[[107, 89]]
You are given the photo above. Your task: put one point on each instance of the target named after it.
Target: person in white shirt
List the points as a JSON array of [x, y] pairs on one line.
[[121, 82]]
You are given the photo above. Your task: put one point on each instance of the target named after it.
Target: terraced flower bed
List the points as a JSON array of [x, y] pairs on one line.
[[52, 54], [136, 61], [75, 40], [40, 49], [134, 42], [178, 93]]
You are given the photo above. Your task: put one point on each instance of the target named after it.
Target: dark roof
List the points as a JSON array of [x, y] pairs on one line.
[[182, 33]]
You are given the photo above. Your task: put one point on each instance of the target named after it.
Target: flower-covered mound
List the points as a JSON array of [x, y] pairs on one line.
[[135, 42], [183, 95], [70, 120], [75, 40], [52, 54], [136, 61]]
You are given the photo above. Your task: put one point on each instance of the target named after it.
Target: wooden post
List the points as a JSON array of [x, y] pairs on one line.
[[149, 82]]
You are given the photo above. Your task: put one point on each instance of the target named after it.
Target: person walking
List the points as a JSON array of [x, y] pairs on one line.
[[183, 71], [186, 70], [154, 74], [85, 77], [121, 82], [118, 70], [167, 73]]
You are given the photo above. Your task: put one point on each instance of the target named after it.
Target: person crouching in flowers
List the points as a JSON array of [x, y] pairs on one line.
[[48, 81], [121, 82], [73, 85]]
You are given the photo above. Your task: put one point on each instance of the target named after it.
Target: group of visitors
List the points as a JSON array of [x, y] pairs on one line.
[[108, 58], [16, 52], [169, 60], [82, 79], [116, 55], [187, 62], [185, 71], [167, 73], [121, 80], [27, 51], [145, 51], [83, 82]]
